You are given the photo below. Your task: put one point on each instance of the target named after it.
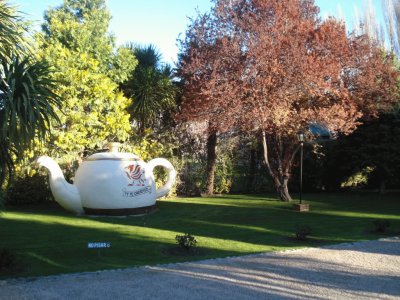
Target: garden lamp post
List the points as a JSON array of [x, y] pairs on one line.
[[300, 136]]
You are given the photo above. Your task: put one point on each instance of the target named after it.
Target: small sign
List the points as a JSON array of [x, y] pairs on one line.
[[99, 245]]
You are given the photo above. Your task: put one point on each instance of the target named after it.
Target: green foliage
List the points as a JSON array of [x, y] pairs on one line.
[[224, 173], [151, 89], [371, 151], [146, 148], [11, 32], [365, 159], [76, 43], [93, 110], [27, 97], [186, 241], [234, 172], [82, 26], [28, 190], [27, 100], [123, 63], [358, 179], [192, 167], [376, 144], [191, 177]]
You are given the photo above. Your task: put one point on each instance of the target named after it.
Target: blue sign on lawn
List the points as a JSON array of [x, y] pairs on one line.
[[99, 245]]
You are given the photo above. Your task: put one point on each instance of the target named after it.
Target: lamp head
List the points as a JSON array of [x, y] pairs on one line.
[[300, 136]]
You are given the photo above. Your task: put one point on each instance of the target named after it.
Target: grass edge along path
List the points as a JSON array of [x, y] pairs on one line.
[[47, 240]]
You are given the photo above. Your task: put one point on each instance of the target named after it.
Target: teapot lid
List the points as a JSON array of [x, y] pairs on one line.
[[113, 154]]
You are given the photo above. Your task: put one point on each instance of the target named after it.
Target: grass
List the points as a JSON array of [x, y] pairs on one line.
[[47, 240]]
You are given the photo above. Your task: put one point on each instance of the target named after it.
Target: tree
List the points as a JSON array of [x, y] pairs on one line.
[[209, 68], [82, 26], [374, 147], [27, 98], [294, 71], [150, 88], [77, 45]]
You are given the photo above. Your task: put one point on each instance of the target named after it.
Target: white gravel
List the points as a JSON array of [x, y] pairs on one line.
[[362, 270]]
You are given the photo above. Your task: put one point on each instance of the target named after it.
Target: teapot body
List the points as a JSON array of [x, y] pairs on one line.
[[115, 184], [109, 183]]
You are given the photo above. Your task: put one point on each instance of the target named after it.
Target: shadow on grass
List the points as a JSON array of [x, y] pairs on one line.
[[44, 249], [58, 244], [258, 225]]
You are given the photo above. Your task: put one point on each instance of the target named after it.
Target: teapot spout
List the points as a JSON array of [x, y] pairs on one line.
[[66, 194]]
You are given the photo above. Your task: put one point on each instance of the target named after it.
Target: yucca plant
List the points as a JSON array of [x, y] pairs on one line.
[[27, 100], [11, 32], [27, 105]]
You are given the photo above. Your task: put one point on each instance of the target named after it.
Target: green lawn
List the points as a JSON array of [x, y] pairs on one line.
[[48, 240]]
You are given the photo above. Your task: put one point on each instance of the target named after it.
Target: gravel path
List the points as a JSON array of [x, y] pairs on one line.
[[362, 270]]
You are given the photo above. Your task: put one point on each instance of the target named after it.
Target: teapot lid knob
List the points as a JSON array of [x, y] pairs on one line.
[[113, 147]]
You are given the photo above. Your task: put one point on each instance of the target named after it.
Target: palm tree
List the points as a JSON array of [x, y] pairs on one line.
[[150, 87], [26, 98]]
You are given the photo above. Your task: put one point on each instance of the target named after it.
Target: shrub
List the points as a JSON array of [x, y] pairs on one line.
[[7, 259], [223, 173], [191, 179], [186, 241], [29, 189], [381, 225], [302, 232]]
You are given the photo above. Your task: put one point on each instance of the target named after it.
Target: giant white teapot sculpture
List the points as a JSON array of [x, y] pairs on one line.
[[109, 183]]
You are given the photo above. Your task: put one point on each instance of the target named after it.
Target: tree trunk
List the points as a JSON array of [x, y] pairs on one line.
[[211, 159], [283, 190], [280, 177], [142, 128]]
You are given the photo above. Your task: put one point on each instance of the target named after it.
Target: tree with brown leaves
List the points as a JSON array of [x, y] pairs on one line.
[[286, 70], [209, 67]]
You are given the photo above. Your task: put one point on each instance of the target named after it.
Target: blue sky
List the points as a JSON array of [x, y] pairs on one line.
[[161, 21]]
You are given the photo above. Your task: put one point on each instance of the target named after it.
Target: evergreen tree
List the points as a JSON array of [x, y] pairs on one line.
[[150, 89], [77, 44]]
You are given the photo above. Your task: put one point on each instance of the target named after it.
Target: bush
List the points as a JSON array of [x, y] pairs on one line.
[[191, 181], [223, 173], [7, 259], [186, 241], [381, 225], [28, 190], [302, 232]]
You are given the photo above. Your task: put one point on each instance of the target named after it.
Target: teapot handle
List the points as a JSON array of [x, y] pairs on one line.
[[171, 173]]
